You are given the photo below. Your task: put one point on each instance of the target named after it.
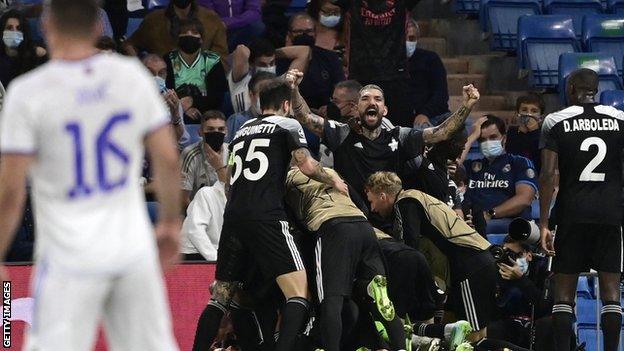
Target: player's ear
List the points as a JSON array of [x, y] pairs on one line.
[[385, 111]]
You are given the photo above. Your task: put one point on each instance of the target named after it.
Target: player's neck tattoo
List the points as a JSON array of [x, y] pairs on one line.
[[371, 134]]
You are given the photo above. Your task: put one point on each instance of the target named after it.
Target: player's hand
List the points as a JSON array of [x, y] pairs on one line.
[[168, 240], [243, 51], [451, 167], [468, 220], [293, 78], [341, 186], [471, 95], [547, 241], [508, 272]]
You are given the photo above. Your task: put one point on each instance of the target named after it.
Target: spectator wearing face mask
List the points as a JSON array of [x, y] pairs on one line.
[[427, 83], [197, 171], [190, 65], [324, 69], [159, 31], [260, 56], [18, 53], [329, 20], [242, 18], [235, 121], [500, 185], [523, 139]]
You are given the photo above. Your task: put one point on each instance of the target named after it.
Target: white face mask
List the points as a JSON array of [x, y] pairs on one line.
[[410, 47], [523, 264], [160, 82], [12, 38], [329, 21], [492, 148], [270, 69]]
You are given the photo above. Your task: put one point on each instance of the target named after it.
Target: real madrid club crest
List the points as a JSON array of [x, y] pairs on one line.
[[507, 168], [477, 167], [530, 173]]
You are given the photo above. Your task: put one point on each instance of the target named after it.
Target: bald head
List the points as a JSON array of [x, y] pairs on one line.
[[581, 86]]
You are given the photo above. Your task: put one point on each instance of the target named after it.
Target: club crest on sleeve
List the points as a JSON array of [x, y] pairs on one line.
[[507, 168]]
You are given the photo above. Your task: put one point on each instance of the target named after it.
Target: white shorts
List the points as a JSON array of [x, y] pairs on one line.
[[69, 306]]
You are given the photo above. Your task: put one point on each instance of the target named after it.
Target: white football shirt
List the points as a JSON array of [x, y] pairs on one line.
[[85, 121], [239, 93]]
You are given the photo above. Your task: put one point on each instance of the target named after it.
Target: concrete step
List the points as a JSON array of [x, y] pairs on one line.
[[424, 28], [486, 103], [480, 64], [463, 36], [435, 44], [455, 65], [457, 81]]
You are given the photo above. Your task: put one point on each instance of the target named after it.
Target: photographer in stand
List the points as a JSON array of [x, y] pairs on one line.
[[523, 297]]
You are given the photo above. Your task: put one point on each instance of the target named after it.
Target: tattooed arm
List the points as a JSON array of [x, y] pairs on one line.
[[456, 121], [311, 168], [301, 111]]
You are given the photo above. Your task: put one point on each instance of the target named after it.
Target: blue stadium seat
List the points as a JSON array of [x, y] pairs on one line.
[[613, 98], [133, 25], [605, 33], [152, 210], [466, 6], [496, 239], [500, 19], [586, 312], [574, 8], [541, 39], [603, 64], [498, 225], [193, 130], [474, 155], [582, 289], [589, 335], [615, 6], [296, 6]]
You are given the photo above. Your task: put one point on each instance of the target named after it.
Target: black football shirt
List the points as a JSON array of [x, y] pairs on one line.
[[588, 140], [261, 153]]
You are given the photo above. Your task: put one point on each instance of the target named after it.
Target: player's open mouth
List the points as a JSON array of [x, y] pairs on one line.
[[371, 112]]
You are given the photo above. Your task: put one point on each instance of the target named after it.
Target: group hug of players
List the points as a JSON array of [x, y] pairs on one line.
[[365, 287]]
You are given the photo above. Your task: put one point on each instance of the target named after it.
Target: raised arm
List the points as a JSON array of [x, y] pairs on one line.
[[240, 62], [311, 168], [301, 111], [299, 55], [455, 121], [547, 183]]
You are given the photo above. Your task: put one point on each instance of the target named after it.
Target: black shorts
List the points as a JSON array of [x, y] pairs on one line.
[[473, 296], [580, 247], [346, 250], [267, 244], [411, 286]]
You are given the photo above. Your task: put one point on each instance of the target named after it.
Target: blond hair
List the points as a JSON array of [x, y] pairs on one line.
[[384, 182]]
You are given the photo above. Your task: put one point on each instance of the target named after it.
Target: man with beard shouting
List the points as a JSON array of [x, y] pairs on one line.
[[362, 148]]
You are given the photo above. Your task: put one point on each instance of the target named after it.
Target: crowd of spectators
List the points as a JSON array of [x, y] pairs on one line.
[[210, 59]]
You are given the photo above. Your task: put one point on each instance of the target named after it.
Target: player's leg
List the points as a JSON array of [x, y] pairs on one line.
[[572, 257], [137, 314], [230, 264], [609, 265], [278, 256], [67, 309]]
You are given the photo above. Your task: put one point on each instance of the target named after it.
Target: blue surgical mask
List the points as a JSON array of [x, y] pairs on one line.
[[523, 264], [160, 82], [270, 69], [12, 38], [492, 148], [410, 47], [329, 21]]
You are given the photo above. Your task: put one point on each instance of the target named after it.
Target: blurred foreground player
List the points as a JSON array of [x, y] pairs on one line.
[[78, 127], [348, 259], [584, 143], [255, 228]]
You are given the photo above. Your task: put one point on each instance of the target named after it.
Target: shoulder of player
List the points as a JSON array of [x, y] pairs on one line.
[[284, 122], [30, 82], [558, 116], [610, 111]]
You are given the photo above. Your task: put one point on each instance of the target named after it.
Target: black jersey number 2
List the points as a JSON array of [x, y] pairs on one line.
[[253, 154], [588, 174]]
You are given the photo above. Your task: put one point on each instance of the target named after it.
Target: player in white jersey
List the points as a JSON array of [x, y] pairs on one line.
[[78, 127]]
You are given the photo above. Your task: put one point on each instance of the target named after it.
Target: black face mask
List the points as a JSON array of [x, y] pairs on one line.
[[214, 140], [303, 39], [189, 44], [333, 112], [181, 4]]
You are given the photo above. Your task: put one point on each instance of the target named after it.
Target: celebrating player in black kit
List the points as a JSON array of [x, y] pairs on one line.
[[584, 142], [366, 146], [255, 228]]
